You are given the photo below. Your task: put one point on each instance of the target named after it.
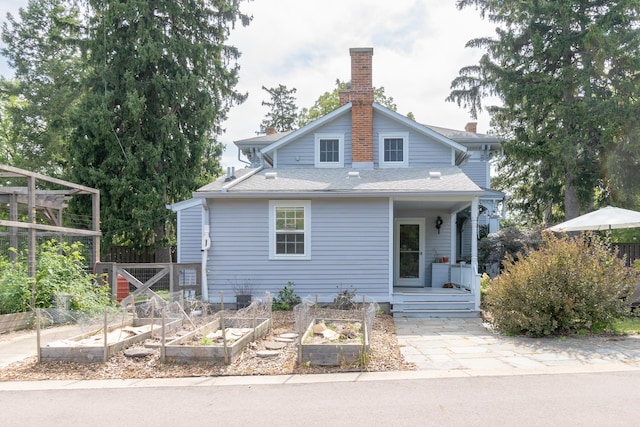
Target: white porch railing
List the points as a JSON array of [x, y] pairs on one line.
[[468, 278]]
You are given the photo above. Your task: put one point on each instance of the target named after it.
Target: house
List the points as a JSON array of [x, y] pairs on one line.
[[362, 199]]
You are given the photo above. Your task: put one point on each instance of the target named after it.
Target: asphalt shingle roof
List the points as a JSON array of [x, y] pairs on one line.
[[400, 180]]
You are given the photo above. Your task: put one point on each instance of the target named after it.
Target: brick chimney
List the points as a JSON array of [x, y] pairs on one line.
[[271, 131], [361, 97], [471, 127]]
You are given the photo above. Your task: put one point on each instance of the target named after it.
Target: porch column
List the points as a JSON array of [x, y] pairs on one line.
[[452, 245], [475, 278], [474, 235]]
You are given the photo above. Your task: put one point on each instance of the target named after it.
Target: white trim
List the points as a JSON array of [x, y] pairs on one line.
[[308, 128], [422, 129], [306, 205], [405, 149], [322, 136]]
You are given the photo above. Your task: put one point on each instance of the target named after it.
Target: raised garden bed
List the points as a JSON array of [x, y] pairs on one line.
[[328, 342], [203, 344], [89, 347], [16, 321]]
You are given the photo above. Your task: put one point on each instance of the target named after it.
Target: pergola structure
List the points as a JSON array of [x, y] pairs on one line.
[[50, 204]]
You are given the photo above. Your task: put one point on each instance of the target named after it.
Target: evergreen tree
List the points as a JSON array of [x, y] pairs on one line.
[[42, 46], [567, 75], [161, 82], [283, 112]]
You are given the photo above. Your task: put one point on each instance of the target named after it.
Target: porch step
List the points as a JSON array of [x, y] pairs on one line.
[[424, 313]]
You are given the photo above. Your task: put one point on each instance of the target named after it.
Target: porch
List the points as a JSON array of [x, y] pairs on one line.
[[461, 300]]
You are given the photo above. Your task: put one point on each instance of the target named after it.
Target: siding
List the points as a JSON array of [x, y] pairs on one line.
[[422, 150], [190, 234], [349, 249], [478, 171], [304, 148]]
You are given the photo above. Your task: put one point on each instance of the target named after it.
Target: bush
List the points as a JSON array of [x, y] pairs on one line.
[[569, 285], [59, 270], [286, 298]]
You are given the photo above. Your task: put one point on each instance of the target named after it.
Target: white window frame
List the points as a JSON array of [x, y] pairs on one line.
[[405, 149], [273, 205], [340, 162]]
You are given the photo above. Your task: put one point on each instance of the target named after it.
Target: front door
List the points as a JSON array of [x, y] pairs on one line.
[[409, 252]]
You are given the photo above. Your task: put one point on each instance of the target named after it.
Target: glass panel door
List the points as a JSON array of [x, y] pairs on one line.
[[409, 250]]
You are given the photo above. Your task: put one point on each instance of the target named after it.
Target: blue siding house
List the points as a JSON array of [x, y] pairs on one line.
[[362, 199]]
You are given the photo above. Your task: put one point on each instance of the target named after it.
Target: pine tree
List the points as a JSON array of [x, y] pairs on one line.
[[283, 112], [567, 76], [161, 83]]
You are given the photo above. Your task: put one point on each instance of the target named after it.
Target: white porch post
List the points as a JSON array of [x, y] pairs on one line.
[[475, 278], [452, 251]]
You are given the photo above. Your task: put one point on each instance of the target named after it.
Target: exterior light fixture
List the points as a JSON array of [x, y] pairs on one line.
[[438, 223]]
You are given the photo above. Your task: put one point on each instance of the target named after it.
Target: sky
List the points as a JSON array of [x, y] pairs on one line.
[[418, 48]]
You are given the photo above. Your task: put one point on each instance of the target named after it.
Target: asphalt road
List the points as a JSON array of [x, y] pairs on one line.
[[599, 399]]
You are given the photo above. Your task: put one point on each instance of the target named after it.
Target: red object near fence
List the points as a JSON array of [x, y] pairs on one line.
[[122, 288]]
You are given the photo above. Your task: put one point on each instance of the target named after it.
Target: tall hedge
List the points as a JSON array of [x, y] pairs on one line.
[[569, 284]]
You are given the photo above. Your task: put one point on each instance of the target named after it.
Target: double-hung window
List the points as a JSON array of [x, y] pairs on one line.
[[329, 150], [289, 229], [394, 149]]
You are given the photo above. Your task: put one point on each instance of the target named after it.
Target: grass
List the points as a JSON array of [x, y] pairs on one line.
[[627, 326]]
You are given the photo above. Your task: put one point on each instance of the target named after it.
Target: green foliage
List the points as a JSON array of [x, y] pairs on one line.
[[485, 280], [160, 82], [329, 101], [42, 46], [560, 70], [15, 287], [286, 298], [59, 270], [283, 112], [569, 284]]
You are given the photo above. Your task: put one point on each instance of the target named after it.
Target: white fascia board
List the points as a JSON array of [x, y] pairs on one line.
[[185, 204], [440, 195], [306, 129], [418, 127]]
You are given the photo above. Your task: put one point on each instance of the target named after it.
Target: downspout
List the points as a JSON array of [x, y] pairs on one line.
[[206, 244]]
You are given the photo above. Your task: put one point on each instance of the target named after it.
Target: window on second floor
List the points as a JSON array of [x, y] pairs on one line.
[[329, 151], [394, 149]]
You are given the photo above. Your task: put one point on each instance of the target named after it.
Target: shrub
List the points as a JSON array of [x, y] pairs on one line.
[[15, 287], [286, 298], [59, 270], [570, 284]]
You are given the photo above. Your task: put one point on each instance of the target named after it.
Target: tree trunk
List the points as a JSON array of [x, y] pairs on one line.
[[571, 203]]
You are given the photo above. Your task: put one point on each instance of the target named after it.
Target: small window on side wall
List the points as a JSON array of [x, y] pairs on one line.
[[393, 149], [289, 229], [329, 151]]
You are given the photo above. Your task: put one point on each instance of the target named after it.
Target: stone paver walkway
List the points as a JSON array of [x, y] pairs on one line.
[[468, 346]]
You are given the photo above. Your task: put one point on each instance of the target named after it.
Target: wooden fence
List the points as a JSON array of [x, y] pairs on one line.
[[631, 250], [124, 254]]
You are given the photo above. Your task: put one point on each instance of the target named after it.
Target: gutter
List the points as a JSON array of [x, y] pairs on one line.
[[204, 249]]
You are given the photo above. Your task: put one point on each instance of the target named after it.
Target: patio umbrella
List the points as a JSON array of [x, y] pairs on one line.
[[603, 219]]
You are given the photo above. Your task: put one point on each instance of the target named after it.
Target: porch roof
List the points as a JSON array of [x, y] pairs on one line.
[[450, 181]]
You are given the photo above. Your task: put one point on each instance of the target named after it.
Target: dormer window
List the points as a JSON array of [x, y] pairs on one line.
[[329, 151], [394, 149]]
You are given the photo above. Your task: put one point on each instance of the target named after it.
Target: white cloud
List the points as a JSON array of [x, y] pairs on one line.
[[304, 44]]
